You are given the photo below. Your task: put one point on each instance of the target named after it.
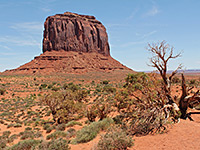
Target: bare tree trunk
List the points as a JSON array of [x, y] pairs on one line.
[[186, 100]]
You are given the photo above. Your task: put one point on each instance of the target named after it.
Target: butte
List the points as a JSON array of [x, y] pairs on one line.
[[72, 43]]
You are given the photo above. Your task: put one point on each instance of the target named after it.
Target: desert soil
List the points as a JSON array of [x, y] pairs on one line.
[[182, 136]]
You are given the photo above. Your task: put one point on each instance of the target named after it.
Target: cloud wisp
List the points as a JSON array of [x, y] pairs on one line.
[[143, 36], [152, 12], [140, 40], [31, 27], [18, 41]]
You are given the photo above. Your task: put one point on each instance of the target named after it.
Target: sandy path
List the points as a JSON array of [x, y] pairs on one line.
[[183, 136]]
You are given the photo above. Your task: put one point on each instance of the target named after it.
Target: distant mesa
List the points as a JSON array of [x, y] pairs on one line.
[[72, 43]]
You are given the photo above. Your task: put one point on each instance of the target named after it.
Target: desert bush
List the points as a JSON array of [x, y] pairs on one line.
[[3, 143], [55, 89], [71, 131], [192, 82], [142, 105], [12, 138], [27, 134], [46, 126], [28, 128], [6, 134], [58, 144], [73, 123], [109, 89], [91, 113], [115, 138], [66, 105], [49, 129], [25, 145], [2, 91], [60, 127], [56, 135], [105, 82], [89, 132], [17, 125], [176, 80]]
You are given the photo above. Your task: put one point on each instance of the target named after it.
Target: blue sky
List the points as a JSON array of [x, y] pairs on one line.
[[130, 24]]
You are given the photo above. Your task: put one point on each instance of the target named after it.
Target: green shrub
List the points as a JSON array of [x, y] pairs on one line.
[[48, 130], [89, 132], [59, 144], [56, 135], [2, 91], [3, 143], [25, 145], [17, 125], [55, 89], [26, 134], [176, 80], [12, 138], [61, 127], [6, 134], [114, 139], [105, 82], [46, 126], [28, 128], [73, 123]]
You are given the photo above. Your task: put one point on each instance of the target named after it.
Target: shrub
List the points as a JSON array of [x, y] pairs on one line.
[[55, 89], [56, 135], [66, 105], [176, 80], [89, 132], [12, 138], [48, 130], [2, 91], [25, 145], [61, 127], [27, 134], [6, 134], [142, 107], [46, 126], [109, 89], [3, 143], [73, 123], [105, 82], [17, 125], [28, 128], [116, 139], [59, 144]]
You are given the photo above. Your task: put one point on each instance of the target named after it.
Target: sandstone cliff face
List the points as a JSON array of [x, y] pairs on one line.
[[73, 32]]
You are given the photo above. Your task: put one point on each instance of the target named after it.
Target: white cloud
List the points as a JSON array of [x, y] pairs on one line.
[[46, 9], [19, 41], [148, 34], [31, 27], [154, 11], [8, 54], [133, 43], [132, 15], [5, 47]]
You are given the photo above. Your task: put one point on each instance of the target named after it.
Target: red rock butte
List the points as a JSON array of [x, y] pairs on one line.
[[72, 43]]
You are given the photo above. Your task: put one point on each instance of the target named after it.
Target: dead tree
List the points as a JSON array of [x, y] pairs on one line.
[[162, 53], [187, 100]]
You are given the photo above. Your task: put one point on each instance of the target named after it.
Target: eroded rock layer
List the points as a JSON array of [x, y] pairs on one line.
[[68, 62], [73, 32]]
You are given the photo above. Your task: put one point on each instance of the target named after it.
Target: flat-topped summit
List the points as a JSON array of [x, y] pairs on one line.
[[73, 32]]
